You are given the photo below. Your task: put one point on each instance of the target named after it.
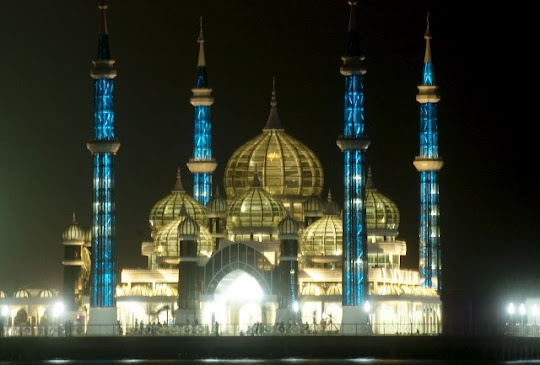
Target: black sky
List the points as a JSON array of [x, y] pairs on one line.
[[489, 195]]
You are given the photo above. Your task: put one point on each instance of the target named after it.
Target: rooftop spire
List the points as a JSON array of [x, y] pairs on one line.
[[178, 186], [183, 211], [369, 180], [102, 6], [273, 121], [200, 40], [74, 219], [427, 37], [353, 46]]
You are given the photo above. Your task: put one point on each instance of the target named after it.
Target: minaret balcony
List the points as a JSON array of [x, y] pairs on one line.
[[103, 69], [351, 143], [103, 146], [201, 166], [427, 164], [427, 94], [352, 66], [201, 97]]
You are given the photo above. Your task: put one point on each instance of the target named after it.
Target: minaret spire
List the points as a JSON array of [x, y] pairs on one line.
[[354, 144], [202, 165], [202, 61], [103, 146], [428, 164], [273, 121]]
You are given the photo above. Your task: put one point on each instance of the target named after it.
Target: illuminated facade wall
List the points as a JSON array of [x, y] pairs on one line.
[[202, 165], [354, 144], [428, 165], [103, 147]]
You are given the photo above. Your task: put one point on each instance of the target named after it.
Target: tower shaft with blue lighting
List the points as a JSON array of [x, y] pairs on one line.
[[428, 163], [103, 147], [354, 144], [202, 165]]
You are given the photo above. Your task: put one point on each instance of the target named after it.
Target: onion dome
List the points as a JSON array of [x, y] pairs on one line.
[[167, 239], [73, 232], [46, 293], [381, 212], [287, 168], [324, 237], [2, 294], [313, 206], [167, 209], [22, 293], [330, 206], [217, 206], [88, 238], [255, 208], [288, 226], [188, 229]]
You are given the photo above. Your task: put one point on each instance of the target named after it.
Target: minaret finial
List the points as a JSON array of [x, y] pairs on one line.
[[369, 180], [427, 37], [178, 186], [273, 121], [329, 198], [74, 218], [200, 40], [352, 15], [102, 6]]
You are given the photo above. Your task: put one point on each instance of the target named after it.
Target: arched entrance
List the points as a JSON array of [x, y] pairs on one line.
[[238, 283], [237, 302]]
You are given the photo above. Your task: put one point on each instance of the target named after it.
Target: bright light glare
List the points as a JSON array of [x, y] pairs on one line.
[[244, 287], [295, 306], [510, 309], [5, 311], [535, 310], [58, 309], [367, 307], [522, 309]]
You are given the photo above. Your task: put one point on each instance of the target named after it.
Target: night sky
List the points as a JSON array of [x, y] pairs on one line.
[[489, 197]]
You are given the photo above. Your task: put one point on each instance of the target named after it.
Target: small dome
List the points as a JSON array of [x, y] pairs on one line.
[[167, 241], [22, 293], [2, 294], [324, 237], [46, 293], [73, 232], [288, 226], [165, 290], [286, 166], [167, 209], [334, 289], [313, 206], [255, 208], [312, 289], [217, 206], [330, 206], [381, 212], [88, 238], [188, 229]]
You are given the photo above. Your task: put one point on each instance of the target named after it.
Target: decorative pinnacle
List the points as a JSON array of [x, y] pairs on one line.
[[74, 219], [427, 37], [183, 211], [329, 198], [200, 40], [102, 6], [178, 186], [369, 180], [352, 17], [273, 101], [273, 121]]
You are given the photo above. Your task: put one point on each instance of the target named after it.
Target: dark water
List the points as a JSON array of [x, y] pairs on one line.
[[291, 361]]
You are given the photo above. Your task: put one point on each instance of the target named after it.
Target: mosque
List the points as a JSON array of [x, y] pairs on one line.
[[273, 247]]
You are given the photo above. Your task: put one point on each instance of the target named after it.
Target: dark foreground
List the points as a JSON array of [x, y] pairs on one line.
[[271, 347]]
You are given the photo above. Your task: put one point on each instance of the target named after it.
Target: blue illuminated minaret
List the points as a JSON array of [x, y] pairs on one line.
[[202, 165], [354, 144], [103, 147], [428, 163]]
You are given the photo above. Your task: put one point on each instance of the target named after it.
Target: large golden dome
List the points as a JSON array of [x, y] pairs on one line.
[[168, 209], [287, 168]]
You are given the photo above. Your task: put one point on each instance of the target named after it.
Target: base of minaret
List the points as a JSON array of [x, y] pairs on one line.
[[355, 321], [186, 316], [102, 321]]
